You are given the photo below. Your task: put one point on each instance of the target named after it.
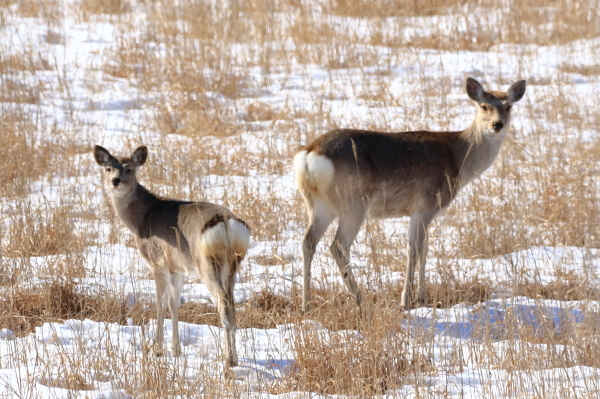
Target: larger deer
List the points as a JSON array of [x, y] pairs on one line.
[[350, 174], [179, 238]]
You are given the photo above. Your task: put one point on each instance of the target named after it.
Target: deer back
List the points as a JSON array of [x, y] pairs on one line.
[[391, 174]]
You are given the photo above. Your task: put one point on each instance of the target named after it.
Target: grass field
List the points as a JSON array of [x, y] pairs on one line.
[[223, 93]]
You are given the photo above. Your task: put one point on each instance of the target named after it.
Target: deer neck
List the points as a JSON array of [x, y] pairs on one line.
[[478, 151], [133, 206]]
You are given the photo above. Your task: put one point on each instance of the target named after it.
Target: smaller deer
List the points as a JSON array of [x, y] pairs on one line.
[[349, 174], [179, 238]]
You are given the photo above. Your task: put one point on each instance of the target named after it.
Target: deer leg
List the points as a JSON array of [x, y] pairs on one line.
[[417, 252], [340, 249], [421, 295], [229, 321], [319, 221], [175, 289], [161, 291], [222, 291]]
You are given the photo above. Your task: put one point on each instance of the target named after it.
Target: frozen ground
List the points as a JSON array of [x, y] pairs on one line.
[[78, 348], [35, 366]]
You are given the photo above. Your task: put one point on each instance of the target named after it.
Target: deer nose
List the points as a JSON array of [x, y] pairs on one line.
[[498, 126], [116, 181]]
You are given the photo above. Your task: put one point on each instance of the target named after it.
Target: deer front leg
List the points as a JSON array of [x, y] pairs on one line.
[[175, 289], [161, 291]]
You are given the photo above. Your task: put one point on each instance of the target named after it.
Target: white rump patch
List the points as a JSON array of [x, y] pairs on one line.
[[219, 239], [314, 174], [300, 168], [321, 170], [313, 171], [240, 236]]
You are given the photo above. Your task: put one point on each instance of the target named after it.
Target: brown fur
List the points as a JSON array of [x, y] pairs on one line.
[[178, 238], [351, 174]]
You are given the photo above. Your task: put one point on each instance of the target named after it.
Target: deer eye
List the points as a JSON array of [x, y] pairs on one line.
[[484, 107], [108, 169], [508, 108], [127, 171]]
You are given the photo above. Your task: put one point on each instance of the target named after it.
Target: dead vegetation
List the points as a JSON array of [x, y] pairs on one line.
[[349, 363], [24, 309]]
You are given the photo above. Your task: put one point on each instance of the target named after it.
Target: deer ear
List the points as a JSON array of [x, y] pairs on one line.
[[474, 90], [102, 155], [139, 155], [516, 91]]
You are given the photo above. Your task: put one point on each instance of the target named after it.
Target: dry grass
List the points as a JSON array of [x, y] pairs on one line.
[[35, 233], [585, 70], [350, 364], [113, 7], [566, 287], [208, 79], [396, 8], [58, 300]]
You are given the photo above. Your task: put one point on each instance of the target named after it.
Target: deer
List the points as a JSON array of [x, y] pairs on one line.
[[349, 175], [178, 239]]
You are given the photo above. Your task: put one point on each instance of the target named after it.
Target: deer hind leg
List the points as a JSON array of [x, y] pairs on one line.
[[348, 228], [320, 218], [417, 254], [175, 289], [217, 279], [229, 319]]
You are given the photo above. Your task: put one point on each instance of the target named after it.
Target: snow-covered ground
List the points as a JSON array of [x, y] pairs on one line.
[[114, 113]]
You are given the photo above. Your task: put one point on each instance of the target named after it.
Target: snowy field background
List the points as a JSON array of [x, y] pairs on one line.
[[223, 93]]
